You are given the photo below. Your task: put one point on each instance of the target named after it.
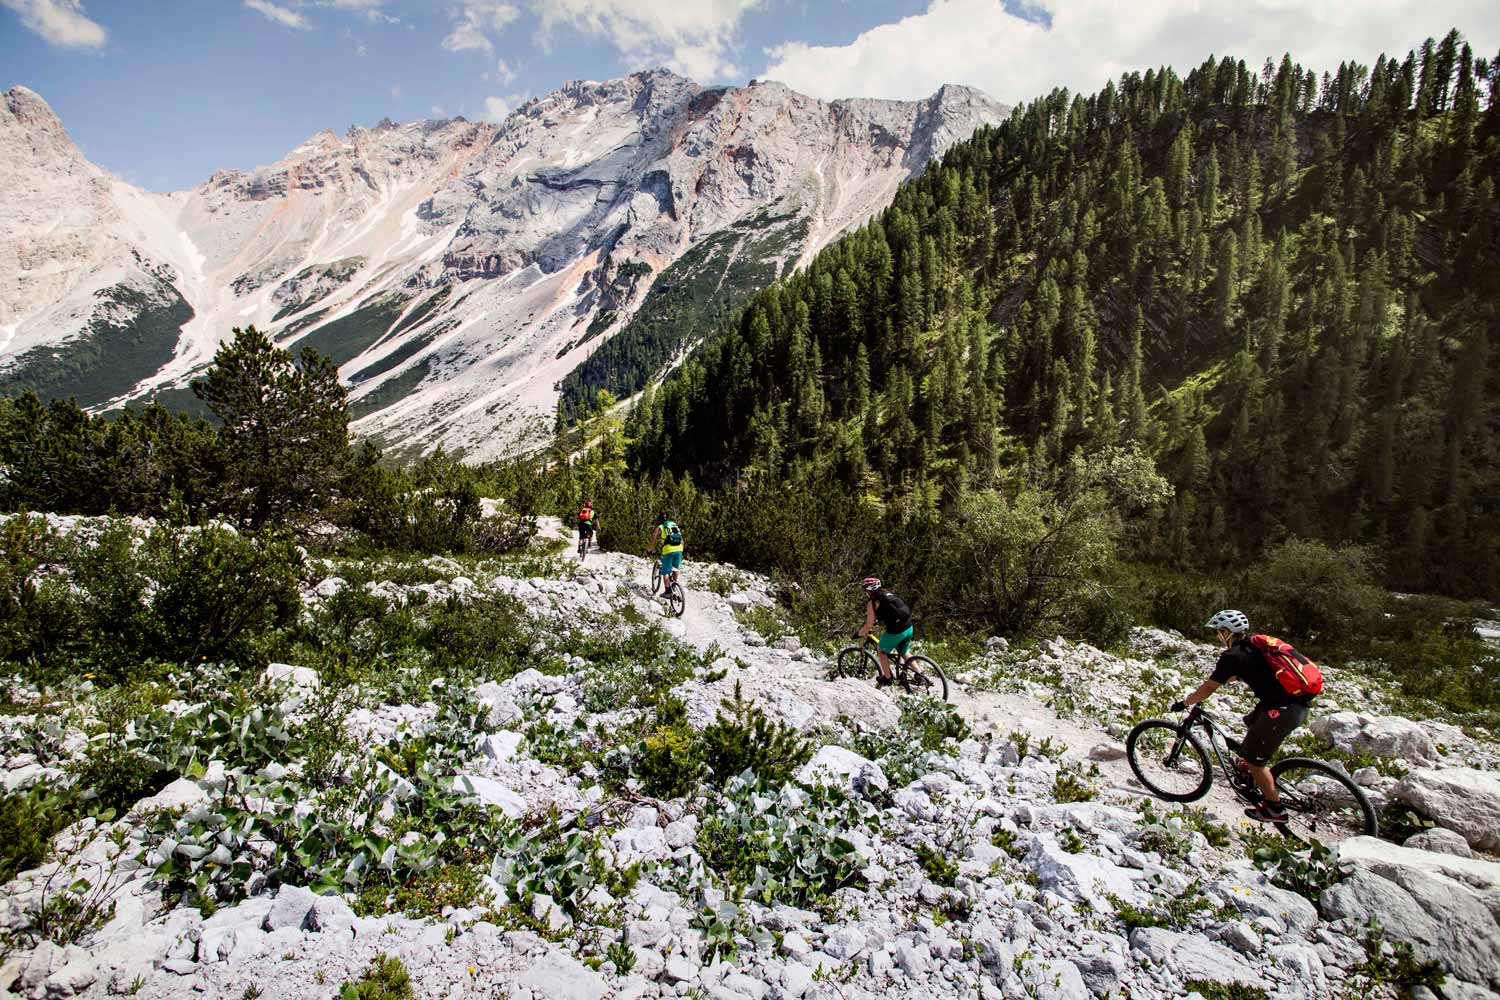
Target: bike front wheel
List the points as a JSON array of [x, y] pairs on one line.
[[922, 677], [1322, 802], [1169, 761], [655, 576], [676, 600], [856, 662]]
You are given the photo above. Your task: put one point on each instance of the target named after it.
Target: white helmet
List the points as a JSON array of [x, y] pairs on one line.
[[1234, 621]]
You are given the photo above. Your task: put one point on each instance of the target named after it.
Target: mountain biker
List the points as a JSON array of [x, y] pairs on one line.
[[671, 551], [588, 521], [895, 615], [1277, 712]]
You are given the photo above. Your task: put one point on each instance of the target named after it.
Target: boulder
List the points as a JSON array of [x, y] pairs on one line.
[[839, 766], [285, 673], [292, 907], [491, 793], [500, 747], [1079, 876], [1475, 876], [1381, 735], [1107, 752], [1466, 800], [1192, 956], [1453, 928], [498, 703], [184, 793], [1439, 840], [559, 977]]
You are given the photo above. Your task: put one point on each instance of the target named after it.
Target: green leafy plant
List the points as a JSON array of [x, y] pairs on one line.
[[1071, 786], [1307, 871], [670, 761], [789, 845], [1212, 990], [1393, 964]]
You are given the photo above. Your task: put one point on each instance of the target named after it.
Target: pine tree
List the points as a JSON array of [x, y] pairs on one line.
[[285, 427]]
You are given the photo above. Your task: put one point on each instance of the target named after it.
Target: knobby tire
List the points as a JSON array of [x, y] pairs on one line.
[[920, 676], [1322, 801], [1158, 749]]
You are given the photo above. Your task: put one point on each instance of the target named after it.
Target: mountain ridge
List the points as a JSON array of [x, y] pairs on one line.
[[457, 270]]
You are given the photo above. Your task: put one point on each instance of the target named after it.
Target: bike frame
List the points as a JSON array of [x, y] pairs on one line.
[[1200, 717]]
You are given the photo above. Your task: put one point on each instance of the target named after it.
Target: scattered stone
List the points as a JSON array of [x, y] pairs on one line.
[[846, 768], [558, 976], [1107, 752]]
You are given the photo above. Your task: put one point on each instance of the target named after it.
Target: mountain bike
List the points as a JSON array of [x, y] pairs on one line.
[[916, 674], [584, 541], [1320, 799], [674, 598]]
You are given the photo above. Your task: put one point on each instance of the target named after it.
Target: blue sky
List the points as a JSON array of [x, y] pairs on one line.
[[164, 92]]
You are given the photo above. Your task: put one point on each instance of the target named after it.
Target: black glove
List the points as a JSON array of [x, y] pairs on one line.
[[1179, 706]]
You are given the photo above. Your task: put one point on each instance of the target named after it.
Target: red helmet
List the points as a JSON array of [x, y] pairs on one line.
[[871, 583]]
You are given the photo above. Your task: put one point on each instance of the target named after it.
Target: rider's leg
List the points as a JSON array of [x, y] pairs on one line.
[[885, 664], [1268, 729]]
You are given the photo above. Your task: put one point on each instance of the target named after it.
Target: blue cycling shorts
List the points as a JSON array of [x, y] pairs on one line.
[[670, 562]]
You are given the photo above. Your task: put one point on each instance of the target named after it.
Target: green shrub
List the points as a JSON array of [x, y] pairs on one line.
[[385, 979], [929, 722], [1304, 588], [1176, 910], [557, 860], [112, 778], [1070, 785], [1393, 964], [936, 864], [742, 739], [28, 821], [1211, 990], [670, 761]]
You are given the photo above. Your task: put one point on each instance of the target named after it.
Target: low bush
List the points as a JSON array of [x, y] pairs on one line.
[[1211, 989], [1393, 965], [929, 722], [669, 763], [742, 739], [385, 979], [936, 864], [29, 820]]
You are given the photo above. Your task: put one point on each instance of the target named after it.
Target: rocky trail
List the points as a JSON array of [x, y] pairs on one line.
[[1013, 860]]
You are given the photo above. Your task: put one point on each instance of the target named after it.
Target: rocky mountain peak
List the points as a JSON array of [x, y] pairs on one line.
[[461, 270]]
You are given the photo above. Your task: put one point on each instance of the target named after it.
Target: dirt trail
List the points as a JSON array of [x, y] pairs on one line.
[[709, 620]]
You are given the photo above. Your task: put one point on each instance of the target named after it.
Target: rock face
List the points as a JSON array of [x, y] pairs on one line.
[[1462, 799], [456, 269]]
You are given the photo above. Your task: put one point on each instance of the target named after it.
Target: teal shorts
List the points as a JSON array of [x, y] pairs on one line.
[[892, 641], [670, 562]]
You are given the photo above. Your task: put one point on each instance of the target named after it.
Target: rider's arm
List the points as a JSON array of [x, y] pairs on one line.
[[1204, 690], [869, 618]]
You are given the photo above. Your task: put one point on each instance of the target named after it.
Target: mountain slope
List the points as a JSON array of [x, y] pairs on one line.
[[457, 271], [1283, 291]]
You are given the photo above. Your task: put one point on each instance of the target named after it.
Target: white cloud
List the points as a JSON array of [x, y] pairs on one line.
[[396, 91], [495, 109], [475, 21], [281, 15], [60, 22], [504, 73], [978, 42], [370, 10], [696, 39]]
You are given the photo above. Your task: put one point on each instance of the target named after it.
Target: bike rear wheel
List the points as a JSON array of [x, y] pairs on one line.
[[1321, 801], [920, 676], [676, 600], [1169, 761]]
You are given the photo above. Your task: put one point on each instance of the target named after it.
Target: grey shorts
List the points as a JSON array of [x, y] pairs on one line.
[[1268, 727]]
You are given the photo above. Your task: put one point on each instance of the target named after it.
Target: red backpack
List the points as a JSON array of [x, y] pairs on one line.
[[1297, 674]]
